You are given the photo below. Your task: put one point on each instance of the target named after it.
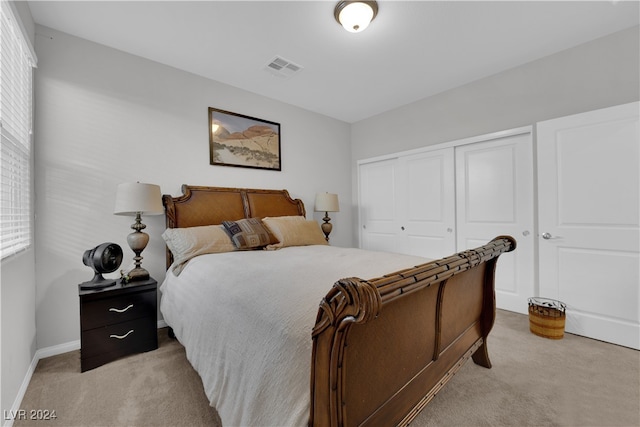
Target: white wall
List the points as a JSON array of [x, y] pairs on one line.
[[104, 117], [17, 297], [597, 74]]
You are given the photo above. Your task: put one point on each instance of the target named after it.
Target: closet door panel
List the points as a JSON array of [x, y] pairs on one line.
[[377, 206], [494, 196], [489, 183], [427, 208]]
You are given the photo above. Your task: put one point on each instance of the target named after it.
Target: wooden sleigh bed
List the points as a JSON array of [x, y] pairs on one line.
[[380, 348]]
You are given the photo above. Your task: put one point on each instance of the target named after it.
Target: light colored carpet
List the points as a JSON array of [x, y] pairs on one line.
[[534, 381], [158, 388]]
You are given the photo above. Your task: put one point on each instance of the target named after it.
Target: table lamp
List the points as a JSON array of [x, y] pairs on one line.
[[326, 202], [137, 199]]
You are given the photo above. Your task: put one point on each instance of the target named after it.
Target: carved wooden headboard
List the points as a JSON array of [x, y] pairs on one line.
[[199, 206]]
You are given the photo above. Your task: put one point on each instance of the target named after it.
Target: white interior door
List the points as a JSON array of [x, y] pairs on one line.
[[494, 192], [427, 197], [588, 184], [377, 205]]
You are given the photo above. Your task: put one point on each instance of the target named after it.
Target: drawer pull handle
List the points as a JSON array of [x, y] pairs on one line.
[[122, 310], [121, 337]]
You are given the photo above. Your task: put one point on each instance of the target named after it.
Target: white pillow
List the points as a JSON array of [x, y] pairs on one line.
[[186, 243]]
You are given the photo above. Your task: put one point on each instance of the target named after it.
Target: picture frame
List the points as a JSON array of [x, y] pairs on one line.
[[243, 141]]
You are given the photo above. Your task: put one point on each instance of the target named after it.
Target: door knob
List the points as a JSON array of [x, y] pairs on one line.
[[548, 236]]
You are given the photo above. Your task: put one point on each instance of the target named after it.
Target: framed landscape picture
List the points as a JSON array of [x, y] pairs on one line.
[[243, 141]]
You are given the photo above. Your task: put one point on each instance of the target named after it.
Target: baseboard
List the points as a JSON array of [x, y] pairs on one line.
[[43, 353], [55, 350], [9, 418]]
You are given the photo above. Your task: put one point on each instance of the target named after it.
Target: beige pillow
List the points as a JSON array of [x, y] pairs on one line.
[[294, 231], [186, 243]]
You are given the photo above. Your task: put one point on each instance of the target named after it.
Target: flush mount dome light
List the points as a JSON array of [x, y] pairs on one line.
[[355, 16]]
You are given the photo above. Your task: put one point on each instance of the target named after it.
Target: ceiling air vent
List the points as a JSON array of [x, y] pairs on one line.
[[282, 67]]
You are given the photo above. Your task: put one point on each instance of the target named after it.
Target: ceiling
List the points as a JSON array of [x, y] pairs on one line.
[[413, 49]]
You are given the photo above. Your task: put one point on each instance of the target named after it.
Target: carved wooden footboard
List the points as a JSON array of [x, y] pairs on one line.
[[383, 348]]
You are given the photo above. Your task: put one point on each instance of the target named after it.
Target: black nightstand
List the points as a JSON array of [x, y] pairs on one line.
[[117, 321]]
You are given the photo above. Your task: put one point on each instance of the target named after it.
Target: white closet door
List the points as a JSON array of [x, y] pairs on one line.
[[588, 185], [494, 193], [407, 204], [427, 210], [377, 206]]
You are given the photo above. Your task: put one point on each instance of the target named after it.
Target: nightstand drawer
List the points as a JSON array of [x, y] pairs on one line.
[[118, 309], [120, 339]]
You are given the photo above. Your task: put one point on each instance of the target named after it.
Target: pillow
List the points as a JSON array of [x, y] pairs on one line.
[[294, 231], [248, 233], [186, 243]]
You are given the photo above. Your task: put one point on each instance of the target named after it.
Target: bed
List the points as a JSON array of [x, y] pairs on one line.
[[294, 336]]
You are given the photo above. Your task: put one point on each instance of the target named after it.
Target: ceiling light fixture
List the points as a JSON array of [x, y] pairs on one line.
[[356, 15]]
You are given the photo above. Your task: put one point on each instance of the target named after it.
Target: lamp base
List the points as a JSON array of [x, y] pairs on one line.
[[326, 226], [137, 242], [137, 273]]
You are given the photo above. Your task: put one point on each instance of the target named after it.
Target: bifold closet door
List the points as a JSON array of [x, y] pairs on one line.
[[407, 204], [494, 194], [427, 204], [588, 193], [377, 208]]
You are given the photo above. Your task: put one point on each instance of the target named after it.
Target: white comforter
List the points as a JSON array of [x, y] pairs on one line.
[[245, 319]]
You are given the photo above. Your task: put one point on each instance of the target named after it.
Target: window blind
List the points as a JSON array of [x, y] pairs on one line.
[[16, 94]]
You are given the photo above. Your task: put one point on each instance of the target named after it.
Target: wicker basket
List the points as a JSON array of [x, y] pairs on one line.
[[547, 317]]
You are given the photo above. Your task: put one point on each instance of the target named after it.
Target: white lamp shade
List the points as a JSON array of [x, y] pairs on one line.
[[327, 202], [135, 197], [355, 17]]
